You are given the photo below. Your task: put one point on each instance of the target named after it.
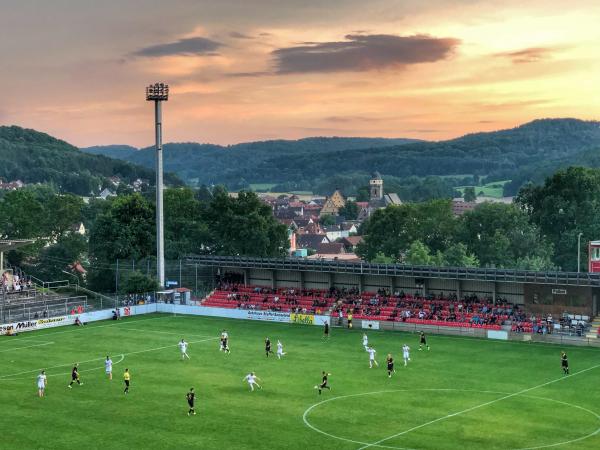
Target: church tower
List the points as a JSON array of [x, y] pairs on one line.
[[376, 185]]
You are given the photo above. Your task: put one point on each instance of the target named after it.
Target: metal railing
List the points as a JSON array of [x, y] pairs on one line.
[[41, 309], [366, 268]]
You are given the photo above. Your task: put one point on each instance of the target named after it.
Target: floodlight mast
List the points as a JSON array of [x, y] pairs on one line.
[[158, 93]]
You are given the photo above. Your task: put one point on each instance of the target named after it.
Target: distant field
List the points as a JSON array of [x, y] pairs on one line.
[[303, 195], [266, 187], [262, 187], [493, 189], [462, 394]]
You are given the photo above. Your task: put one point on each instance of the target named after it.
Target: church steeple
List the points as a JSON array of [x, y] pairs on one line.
[[376, 186]]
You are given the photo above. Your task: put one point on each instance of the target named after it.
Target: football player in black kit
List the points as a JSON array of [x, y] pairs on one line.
[[191, 396], [268, 347], [323, 384], [326, 330], [390, 365], [75, 376], [564, 363], [422, 341]]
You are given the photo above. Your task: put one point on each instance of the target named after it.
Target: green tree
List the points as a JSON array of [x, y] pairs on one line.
[[380, 258], [457, 255], [63, 212], [243, 226], [59, 258], [204, 194], [95, 208], [21, 215], [349, 211], [568, 203], [124, 189], [500, 234], [185, 230], [418, 254], [392, 230], [327, 220], [125, 231], [136, 282], [469, 195], [363, 194]]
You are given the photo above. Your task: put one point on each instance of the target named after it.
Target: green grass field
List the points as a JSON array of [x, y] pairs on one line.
[[493, 189], [462, 394], [262, 187]]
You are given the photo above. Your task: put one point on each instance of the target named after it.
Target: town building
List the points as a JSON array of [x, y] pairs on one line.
[[332, 204]]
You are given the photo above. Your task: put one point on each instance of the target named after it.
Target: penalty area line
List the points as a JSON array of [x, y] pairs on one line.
[[10, 377], [473, 408], [27, 346]]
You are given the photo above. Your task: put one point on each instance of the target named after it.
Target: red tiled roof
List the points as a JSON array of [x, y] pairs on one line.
[[353, 240], [331, 248]]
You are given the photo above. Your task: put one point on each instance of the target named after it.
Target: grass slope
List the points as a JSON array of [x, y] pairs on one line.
[[494, 189], [459, 375]]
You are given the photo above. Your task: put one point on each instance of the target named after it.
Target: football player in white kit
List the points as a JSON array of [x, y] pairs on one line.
[[41, 383], [224, 342], [366, 342], [251, 379], [280, 351], [108, 367], [372, 360], [406, 354], [183, 347]]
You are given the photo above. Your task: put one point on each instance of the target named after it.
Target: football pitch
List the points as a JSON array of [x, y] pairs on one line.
[[462, 394]]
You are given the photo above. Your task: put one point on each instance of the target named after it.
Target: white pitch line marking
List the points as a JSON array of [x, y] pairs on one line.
[[6, 342], [11, 376], [307, 423], [473, 408], [69, 373], [91, 328], [167, 332], [27, 346]]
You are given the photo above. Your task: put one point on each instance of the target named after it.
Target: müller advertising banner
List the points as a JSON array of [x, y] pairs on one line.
[[38, 324]]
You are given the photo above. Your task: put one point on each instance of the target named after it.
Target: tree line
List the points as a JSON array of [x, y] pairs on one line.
[[123, 227], [526, 153], [35, 157], [538, 232]]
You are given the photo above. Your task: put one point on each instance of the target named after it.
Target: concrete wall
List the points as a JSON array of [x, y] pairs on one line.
[[372, 283], [316, 280], [260, 277], [345, 280], [286, 278], [439, 286], [576, 300]]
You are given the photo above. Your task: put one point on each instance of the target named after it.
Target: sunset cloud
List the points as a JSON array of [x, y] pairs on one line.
[[185, 47], [361, 52], [238, 35], [528, 55], [265, 69]]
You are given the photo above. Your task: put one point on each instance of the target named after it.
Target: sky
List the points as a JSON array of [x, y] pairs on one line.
[[243, 70]]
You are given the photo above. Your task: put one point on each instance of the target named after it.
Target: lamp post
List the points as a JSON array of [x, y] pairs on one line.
[[158, 93], [579, 252]]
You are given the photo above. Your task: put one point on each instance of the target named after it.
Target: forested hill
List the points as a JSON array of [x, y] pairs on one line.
[[112, 151], [215, 164], [518, 154], [35, 157]]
